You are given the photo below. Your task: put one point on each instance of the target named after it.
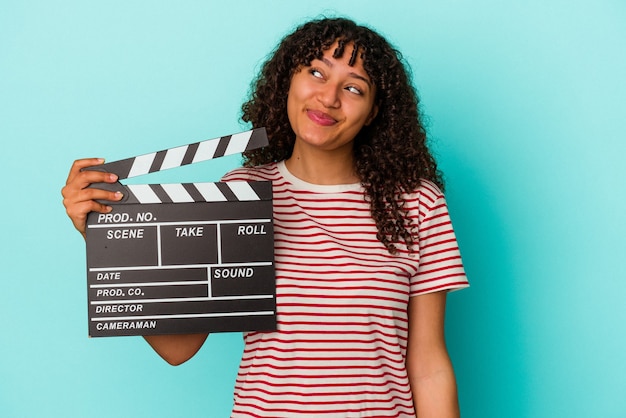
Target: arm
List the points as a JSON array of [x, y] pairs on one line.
[[176, 349], [79, 201], [428, 365]]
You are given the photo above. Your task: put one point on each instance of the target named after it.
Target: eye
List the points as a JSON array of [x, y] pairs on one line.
[[355, 90], [316, 73]]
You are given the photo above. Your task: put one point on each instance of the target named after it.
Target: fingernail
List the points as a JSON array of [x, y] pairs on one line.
[[119, 195], [113, 177], [109, 208], [100, 160]]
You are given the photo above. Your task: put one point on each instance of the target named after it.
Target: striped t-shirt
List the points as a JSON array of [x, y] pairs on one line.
[[342, 299]]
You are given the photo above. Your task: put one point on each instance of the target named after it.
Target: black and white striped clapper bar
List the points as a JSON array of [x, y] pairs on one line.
[[184, 257]]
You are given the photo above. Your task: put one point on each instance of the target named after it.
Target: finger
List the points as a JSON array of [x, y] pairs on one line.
[[84, 179], [78, 165], [79, 211], [99, 194], [73, 196]]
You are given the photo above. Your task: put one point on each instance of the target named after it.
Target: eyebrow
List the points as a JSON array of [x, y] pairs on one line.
[[352, 74]]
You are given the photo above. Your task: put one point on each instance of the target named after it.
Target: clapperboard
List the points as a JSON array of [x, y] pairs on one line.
[[185, 257]]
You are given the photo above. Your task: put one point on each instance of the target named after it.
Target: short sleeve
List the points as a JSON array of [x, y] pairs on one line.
[[440, 265], [238, 174], [260, 173]]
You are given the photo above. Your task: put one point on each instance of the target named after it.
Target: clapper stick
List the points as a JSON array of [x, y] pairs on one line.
[[183, 257], [178, 157]]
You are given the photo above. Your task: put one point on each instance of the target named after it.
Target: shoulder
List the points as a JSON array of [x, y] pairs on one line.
[[427, 194], [259, 173], [429, 189], [426, 202]]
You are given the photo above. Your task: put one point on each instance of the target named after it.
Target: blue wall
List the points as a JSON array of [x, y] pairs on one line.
[[526, 103]]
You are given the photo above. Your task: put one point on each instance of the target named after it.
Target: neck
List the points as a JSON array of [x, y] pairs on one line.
[[320, 167]]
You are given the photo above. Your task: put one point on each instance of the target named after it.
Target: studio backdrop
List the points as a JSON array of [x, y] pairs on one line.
[[524, 102]]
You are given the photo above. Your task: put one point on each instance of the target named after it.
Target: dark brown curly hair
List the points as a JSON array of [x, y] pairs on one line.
[[391, 155]]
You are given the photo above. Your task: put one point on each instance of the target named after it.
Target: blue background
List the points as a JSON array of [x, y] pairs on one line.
[[525, 103]]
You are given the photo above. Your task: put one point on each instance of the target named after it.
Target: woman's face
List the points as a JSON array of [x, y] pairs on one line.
[[330, 101]]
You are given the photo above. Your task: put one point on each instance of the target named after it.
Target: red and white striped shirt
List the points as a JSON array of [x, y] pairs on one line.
[[342, 299]]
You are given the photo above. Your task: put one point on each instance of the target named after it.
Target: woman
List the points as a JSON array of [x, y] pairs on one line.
[[364, 248]]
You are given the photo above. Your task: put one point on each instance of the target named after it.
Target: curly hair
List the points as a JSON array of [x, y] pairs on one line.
[[391, 154]]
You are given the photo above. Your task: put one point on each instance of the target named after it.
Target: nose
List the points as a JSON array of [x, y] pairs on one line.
[[328, 95]]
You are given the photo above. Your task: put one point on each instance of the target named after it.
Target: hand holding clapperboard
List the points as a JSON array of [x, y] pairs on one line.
[[184, 257]]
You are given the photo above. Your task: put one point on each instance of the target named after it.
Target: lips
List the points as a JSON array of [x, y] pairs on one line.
[[320, 118]]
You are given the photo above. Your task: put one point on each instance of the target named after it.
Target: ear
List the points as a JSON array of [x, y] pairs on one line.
[[372, 115]]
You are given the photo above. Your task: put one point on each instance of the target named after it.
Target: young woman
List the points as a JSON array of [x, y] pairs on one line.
[[364, 248]]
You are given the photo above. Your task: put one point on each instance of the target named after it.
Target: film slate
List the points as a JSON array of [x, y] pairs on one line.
[[185, 257]]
